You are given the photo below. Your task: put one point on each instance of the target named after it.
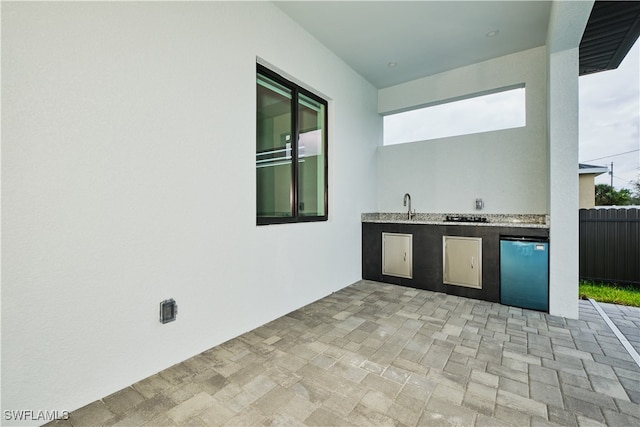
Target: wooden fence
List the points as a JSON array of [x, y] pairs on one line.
[[610, 245]]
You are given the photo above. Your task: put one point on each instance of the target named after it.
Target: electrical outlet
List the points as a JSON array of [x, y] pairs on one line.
[[168, 311]]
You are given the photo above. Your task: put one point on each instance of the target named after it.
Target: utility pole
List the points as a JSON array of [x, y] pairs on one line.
[[611, 173]]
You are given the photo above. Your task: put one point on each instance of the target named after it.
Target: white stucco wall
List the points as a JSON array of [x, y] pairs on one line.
[[128, 177], [508, 169]]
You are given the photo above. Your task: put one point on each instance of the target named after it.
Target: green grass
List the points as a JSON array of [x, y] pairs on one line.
[[613, 294]]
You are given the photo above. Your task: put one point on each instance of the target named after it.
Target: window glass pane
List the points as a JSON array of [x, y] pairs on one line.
[[501, 110], [273, 149], [311, 157]]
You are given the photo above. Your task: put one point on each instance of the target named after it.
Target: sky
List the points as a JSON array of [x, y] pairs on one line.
[[610, 120], [502, 110]]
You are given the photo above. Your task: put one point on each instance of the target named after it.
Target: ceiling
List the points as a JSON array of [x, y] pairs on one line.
[[391, 42]]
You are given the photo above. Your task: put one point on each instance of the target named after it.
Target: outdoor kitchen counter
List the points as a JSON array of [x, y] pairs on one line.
[[427, 232], [493, 220]]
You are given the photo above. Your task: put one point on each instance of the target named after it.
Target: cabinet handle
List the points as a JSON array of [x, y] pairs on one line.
[[472, 262], [405, 256]]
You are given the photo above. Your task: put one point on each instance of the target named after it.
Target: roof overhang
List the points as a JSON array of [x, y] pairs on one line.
[[612, 29], [584, 169], [392, 42]]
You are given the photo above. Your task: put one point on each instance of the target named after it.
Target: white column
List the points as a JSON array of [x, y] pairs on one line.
[[566, 25], [563, 183]]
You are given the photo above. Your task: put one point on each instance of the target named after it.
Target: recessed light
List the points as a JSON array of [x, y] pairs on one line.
[[392, 64], [492, 33]]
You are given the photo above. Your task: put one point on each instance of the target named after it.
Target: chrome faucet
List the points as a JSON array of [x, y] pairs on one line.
[[410, 214]]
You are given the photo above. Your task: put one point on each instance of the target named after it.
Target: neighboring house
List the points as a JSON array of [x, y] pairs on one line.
[[129, 174], [588, 173]]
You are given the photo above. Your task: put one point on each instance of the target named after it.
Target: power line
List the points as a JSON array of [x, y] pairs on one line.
[[622, 179], [618, 178], [613, 155]]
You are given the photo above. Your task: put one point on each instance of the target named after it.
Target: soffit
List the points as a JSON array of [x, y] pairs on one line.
[[612, 29]]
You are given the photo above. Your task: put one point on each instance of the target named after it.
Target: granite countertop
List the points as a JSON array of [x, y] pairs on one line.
[[493, 220]]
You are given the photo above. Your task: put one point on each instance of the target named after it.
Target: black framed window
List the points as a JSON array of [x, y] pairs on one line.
[[291, 152]]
